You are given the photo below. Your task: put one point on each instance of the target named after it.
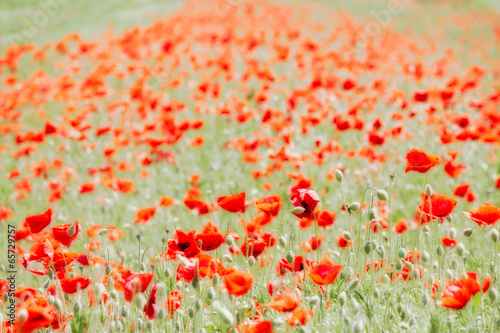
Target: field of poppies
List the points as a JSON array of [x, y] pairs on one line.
[[251, 166]]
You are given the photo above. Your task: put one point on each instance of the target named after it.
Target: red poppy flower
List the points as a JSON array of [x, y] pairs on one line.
[[5, 213], [326, 272], [270, 205], [255, 248], [461, 190], [486, 214], [60, 233], [183, 244], [401, 227], [174, 302], [38, 317], [72, 285], [134, 283], [300, 317], [238, 283], [144, 215], [449, 242], [457, 294], [326, 218], [298, 265], [149, 308], [256, 326], [210, 240], [37, 223], [312, 244], [307, 199], [233, 203], [287, 301], [86, 188], [454, 170], [343, 242], [418, 160], [437, 206]]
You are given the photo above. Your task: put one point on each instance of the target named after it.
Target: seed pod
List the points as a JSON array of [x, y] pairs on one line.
[[229, 240], [402, 253], [367, 247], [251, 261], [382, 195], [439, 250], [339, 175], [428, 190], [282, 241], [298, 210], [352, 284], [289, 257], [468, 232]]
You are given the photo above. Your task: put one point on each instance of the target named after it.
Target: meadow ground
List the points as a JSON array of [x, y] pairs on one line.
[[257, 166]]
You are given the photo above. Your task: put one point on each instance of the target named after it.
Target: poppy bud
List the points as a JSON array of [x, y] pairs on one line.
[[228, 258], [289, 257], [162, 313], [102, 232], [460, 249], [404, 326], [399, 265], [354, 207], [51, 274], [71, 230], [251, 261], [468, 232], [143, 267], [339, 175], [298, 210], [452, 232], [191, 313], [163, 240], [282, 241], [139, 300], [372, 214], [439, 250], [435, 265], [425, 256], [229, 240], [376, 292], [359, 326], [114, 294], [46, 284], [408, 264], [77, 307], [382, 195], [352, 284], [367, 247], [494, 235], [215, 279], [107, 270], [401, 253], [226, 316], [99, 289], [448, 218], [454, 264], [58, 304], [342, 298], [426, 230], [211, 293], [195, 282], [124, 311], [313, 300], [428, 190], [347, 235], [51, 299], [167, 273], [493, 294], [23, 315]]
